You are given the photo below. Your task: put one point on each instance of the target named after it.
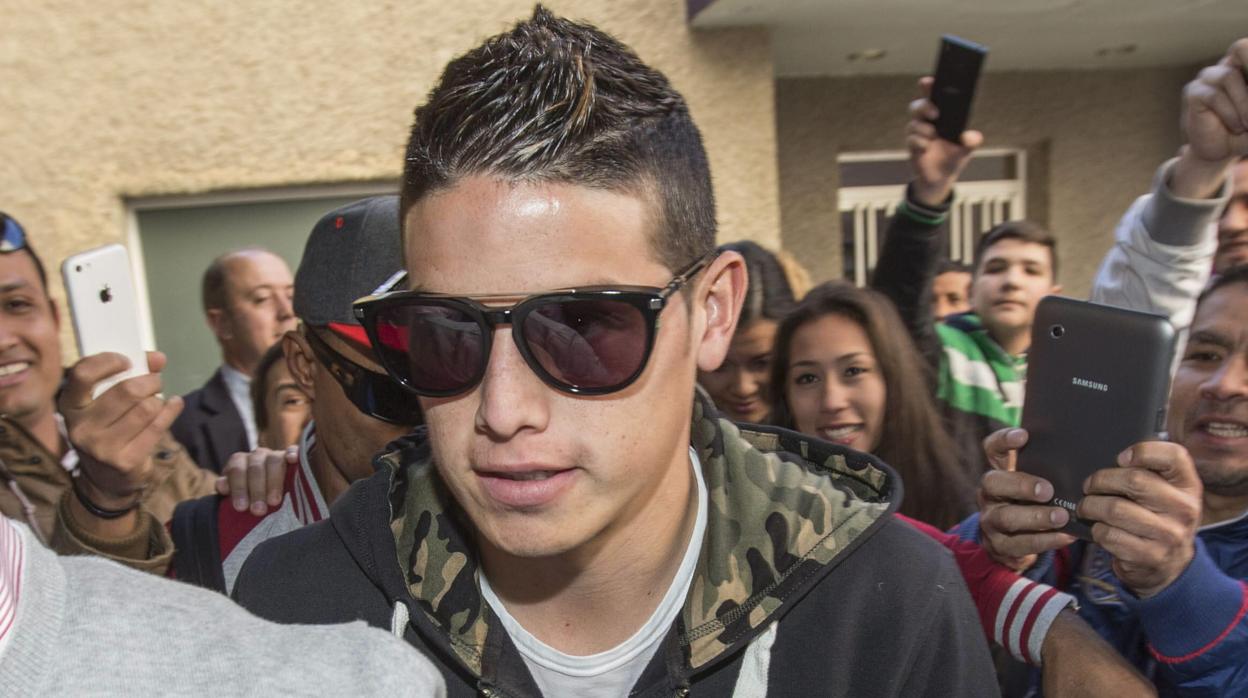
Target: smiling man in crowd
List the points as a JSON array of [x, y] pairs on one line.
[[1166, 579], [109, 459]]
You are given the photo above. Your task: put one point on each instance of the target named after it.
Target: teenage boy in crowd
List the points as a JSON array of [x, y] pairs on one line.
[[246, 296], [1166, 580], [356, 409], [1159, 264], [108, 459], [579, 522]]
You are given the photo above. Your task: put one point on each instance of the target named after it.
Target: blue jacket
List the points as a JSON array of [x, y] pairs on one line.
[[1192, 638]]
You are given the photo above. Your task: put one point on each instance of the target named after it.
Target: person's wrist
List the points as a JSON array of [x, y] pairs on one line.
[[1194, 177], [933, 194], [106, 528], [1175, 571], [99, 496]]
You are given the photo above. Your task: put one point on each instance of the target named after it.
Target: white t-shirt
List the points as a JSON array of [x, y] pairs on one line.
[[614, 672], [239, 386]]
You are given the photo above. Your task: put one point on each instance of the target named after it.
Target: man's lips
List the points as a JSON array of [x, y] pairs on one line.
[[13, 372], [525, 486], [1221, 428]]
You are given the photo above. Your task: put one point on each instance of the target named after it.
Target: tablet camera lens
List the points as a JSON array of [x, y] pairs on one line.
[[1057, 331]]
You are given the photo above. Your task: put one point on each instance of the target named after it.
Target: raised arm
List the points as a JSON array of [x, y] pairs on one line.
[[913, 243], [1164, 245]]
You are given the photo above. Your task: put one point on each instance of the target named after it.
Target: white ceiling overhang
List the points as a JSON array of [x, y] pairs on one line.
[[861, 37]]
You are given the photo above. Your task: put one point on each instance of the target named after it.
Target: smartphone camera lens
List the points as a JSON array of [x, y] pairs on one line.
[[78, 268], [1057, 331]]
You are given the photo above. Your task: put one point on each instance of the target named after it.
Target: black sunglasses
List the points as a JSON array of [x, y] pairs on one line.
[[586, 341], [374, 394]]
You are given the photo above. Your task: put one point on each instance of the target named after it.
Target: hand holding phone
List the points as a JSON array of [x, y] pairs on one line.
[[1097, 382], [104, 308], [953, 89]]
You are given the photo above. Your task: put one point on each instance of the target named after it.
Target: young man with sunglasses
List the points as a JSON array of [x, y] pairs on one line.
[[356, 408], [104, 464], [579, 521]]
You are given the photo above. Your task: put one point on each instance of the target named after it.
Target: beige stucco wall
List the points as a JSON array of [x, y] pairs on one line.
[[108, 100], [1093, 139]]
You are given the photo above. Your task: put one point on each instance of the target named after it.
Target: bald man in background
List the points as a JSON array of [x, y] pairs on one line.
[[247, 302]]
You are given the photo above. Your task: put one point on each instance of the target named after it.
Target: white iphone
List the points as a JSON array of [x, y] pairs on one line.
[[105, 309]]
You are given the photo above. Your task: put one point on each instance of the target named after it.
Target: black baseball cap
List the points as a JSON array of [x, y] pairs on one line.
[[351, 252]]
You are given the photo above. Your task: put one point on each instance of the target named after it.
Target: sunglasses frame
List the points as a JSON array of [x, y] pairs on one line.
[[649, 300], [362, 387]]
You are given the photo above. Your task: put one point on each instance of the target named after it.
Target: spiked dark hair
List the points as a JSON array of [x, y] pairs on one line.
[[557, 101]]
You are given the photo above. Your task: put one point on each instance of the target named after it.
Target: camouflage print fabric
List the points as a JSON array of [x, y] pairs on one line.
[[781, 508], [437, 557]]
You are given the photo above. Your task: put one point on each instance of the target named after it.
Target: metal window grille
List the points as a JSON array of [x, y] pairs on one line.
[[991, 191]]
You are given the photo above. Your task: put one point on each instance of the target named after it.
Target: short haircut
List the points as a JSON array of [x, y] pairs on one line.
[[768, 294], [1237, 274], [1023, 231], [948, 266], [260, 385], [557, 101], [213, 293]]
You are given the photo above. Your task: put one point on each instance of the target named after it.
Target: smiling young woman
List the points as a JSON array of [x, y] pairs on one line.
[[845, 370]]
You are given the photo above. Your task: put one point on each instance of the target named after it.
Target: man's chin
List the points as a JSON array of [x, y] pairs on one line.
[[1222, 475], [17, 407], [529, 542], [1005, 321]]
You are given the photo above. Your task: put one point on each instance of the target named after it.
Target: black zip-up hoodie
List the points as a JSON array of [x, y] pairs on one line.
[[806, 584]]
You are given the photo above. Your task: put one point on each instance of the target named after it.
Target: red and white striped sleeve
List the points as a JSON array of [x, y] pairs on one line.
[[12, 562], [1015, 612]]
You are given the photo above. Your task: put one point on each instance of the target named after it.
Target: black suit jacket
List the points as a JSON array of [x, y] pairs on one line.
[[210, 427]]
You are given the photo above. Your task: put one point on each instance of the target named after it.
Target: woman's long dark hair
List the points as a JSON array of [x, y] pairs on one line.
[[938, 489]]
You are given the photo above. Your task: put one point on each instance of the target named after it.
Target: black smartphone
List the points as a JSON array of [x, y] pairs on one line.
[[953, 90], [1097, 381]]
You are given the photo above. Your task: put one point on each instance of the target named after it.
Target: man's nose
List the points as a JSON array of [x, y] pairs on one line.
[[285, 308], [512, 397]]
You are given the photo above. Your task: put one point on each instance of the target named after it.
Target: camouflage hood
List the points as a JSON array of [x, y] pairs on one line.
[[783, 510]]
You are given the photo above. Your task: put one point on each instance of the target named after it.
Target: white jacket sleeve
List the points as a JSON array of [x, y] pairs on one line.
[[1162, 254]]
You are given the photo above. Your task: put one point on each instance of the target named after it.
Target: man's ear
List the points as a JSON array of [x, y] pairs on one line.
[[56, 313], [1056, 290], [299, 361], [219, 323], [720, 296]]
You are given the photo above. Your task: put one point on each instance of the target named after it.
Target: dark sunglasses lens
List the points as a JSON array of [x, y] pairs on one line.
[[433, 347], [587, 343], [379, 396]]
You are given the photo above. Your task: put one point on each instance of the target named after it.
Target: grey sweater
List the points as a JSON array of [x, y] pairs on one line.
[[90, 627]]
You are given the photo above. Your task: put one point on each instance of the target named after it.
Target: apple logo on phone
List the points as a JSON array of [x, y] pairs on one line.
[[106, 294]]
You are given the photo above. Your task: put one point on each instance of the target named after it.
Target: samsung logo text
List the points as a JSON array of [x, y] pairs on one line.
[[1092, 385]]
